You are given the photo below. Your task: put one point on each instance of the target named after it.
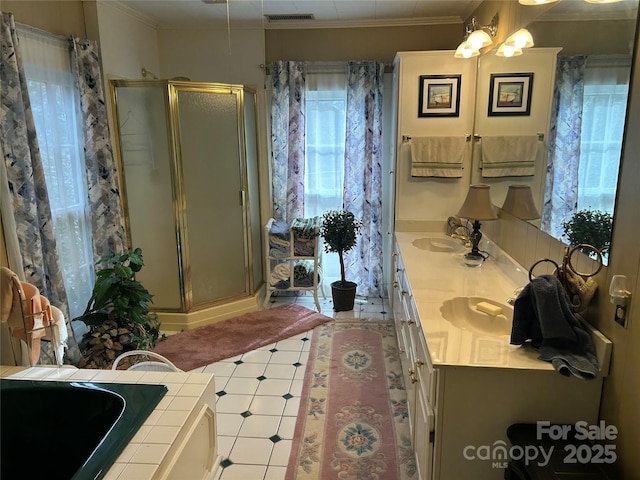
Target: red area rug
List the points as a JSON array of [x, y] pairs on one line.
[[212, 343], [353, 421]]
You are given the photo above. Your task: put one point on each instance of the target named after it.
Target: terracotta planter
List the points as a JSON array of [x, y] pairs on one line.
[[344, 295]]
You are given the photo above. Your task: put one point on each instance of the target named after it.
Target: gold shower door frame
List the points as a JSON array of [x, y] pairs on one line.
[[175, 133]]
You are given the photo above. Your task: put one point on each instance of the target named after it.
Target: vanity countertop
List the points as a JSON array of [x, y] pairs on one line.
[[435, 277]]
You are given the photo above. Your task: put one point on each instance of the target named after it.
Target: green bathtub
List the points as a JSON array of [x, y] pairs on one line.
[[69, 430]]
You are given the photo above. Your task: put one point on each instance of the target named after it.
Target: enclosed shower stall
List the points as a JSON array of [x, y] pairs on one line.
[[187, 153]]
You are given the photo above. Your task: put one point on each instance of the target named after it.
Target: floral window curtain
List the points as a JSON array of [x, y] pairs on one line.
[[363, 173], [102, 180], [561, 188], [288, 139], [25, 174]]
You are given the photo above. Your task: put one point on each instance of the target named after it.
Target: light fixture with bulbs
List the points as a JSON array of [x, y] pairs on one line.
[[479, 39], [521, 39], [476, 37], [465, 50], [513, 45], [536, 2], [508, 51], [546, 2]]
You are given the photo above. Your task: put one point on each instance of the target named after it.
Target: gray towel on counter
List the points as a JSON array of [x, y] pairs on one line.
[[543, 315]]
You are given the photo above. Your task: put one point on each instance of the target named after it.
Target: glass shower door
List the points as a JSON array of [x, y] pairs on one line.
[[213, 184], [148, 179]]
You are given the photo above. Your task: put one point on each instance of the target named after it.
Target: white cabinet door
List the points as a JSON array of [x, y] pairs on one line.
[[196, 455], [424, 414], [424, 435]]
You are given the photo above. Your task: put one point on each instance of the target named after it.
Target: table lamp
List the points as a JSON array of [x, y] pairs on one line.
[[477, 206], [519, 203]]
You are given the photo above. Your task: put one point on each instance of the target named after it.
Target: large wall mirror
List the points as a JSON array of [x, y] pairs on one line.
[[597, 42]]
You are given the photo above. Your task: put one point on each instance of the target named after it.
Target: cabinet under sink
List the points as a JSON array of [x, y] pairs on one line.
[[465, 383]]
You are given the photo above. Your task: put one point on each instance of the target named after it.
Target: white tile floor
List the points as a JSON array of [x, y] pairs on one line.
[[259, 396]]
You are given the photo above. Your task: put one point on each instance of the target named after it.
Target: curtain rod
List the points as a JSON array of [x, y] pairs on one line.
[[388, 67], [44, 33], [621, 60]]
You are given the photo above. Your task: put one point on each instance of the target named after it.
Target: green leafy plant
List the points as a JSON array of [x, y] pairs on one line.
[[589, 226], [339, 230], [117, 313]]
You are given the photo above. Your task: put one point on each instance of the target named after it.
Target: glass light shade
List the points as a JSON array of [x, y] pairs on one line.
[[519, 202], [536, 2], [521, 39], [465, 50], [508, 51], [477, 205], [479, 39]]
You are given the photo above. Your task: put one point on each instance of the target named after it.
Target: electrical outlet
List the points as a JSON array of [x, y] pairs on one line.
[[621, 315]]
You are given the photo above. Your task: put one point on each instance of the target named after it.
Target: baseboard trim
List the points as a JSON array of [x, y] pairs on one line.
[[176, 322]]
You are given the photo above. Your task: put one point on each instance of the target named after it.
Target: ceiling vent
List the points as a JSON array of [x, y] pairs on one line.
[[289, 17]]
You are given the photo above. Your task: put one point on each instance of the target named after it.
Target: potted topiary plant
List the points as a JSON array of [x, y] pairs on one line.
[[339, 230], [117, 313], [589, 226]]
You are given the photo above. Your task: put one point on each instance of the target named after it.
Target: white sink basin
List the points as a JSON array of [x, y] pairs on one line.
[[435, 244], [462, 312]]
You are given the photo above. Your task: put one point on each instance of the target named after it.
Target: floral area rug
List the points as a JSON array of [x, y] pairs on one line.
[[353, 419]]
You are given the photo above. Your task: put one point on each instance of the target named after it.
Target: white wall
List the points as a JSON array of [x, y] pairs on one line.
[[429, 198], [128, 42], [216, 55], [542, 63], [213, 55]]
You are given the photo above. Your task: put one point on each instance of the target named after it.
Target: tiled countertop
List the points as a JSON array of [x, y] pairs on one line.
[[142, 458], [435, 277]]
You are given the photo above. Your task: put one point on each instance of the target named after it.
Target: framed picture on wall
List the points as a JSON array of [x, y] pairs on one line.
[[439, 96], [510, 94]]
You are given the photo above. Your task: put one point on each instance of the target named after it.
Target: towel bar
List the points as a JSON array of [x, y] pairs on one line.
[[407, 138], [479, 137]]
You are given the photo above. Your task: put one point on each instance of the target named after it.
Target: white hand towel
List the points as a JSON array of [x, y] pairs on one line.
[[437, 156], [282, 271], [509, 156], [62, 333]]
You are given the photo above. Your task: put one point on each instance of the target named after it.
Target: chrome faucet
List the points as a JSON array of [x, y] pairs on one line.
[[512, 299]]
